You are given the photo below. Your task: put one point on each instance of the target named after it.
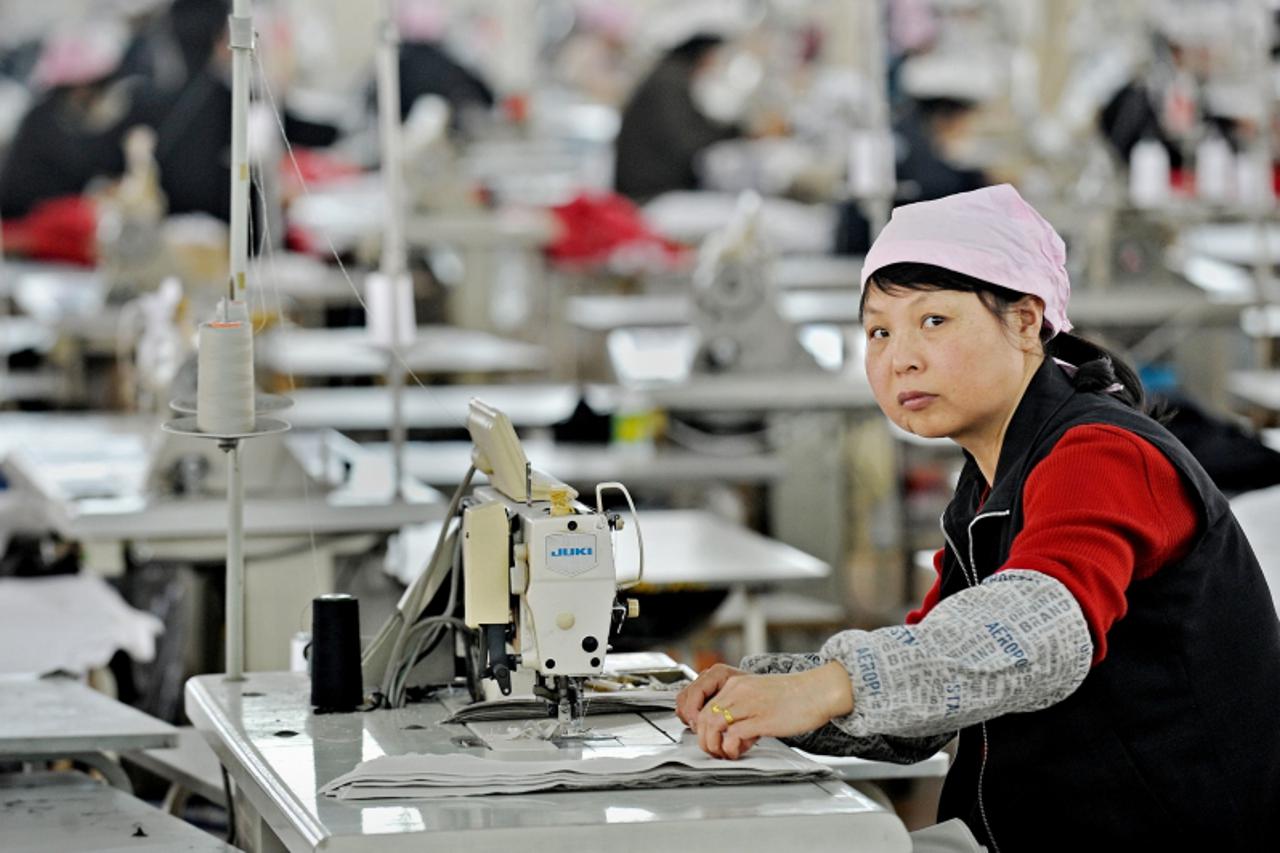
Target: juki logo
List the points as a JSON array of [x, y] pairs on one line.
[[571, 552]]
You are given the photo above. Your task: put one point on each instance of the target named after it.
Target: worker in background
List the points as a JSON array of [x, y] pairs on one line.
[[932, 120], [427, 67], [74, 130], [1100, 633], [668, 120], [192, 113]]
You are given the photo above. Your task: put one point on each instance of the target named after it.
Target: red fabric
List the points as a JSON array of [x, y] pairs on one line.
[[60, 229], [314, 169], [1104, 509], [930, 597], [594, 226]]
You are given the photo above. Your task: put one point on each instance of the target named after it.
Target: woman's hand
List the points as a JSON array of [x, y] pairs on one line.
[[691, 699], [749, 707]]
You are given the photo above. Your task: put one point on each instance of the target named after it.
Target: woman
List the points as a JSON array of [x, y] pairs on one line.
[[1099, 634]]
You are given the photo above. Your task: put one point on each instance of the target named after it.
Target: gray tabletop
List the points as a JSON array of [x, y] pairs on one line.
[[1257, 387], [57, 717], [443, 463], [350, 352], [280, 753], [65, 812]]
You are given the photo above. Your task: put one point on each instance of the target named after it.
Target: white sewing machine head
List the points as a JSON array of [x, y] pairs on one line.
[[539, 569]]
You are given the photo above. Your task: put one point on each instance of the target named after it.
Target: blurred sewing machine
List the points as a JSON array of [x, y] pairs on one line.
[[736, 303]]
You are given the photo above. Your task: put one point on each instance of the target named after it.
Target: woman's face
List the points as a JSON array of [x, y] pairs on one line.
[[941, 364]]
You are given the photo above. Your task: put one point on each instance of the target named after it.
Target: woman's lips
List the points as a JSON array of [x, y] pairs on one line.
[[915, 400]]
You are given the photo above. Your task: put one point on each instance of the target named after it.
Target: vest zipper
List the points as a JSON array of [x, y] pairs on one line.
[[942, 523], [972, 581]]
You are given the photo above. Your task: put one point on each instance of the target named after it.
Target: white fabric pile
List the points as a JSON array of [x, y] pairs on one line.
[[69, 622], [403, 777]]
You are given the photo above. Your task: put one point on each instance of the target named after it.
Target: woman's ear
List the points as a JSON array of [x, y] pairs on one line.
[[1026, 319]]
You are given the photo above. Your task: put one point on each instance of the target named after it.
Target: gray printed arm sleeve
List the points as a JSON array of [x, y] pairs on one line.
[[830, 740], [1016, 642]]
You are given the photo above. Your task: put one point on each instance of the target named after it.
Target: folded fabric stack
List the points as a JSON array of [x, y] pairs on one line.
[[403, 777]]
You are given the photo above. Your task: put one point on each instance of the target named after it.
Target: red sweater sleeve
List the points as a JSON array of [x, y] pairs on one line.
[[930, 597], [1105, 508]]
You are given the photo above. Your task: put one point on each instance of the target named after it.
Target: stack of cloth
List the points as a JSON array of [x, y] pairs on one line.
[[406, 777]]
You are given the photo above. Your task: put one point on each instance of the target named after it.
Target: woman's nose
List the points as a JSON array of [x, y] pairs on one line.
[[905, 356]]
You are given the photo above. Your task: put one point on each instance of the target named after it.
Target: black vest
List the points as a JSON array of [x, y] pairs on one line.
[[1172, 742]]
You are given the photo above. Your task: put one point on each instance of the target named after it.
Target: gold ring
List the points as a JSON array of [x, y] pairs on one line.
[[724, 712]]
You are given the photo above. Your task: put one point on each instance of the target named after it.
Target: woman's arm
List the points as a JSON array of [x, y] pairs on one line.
[[830, 740], [1016, 642]]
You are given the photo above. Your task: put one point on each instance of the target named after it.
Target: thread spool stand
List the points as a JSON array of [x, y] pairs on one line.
[[230, 444]]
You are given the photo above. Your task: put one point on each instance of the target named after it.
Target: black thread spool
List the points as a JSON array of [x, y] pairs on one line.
[[336, 677]]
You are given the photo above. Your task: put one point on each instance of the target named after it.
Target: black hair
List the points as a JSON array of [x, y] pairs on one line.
[[1097, 368], [197, 26], [695, 47]]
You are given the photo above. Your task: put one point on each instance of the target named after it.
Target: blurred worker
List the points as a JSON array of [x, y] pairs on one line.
[[191, 112], [668, 120], [427, 67], [1165, 101], [193, 118], [1100, 633], [932, 120], [74, 130]]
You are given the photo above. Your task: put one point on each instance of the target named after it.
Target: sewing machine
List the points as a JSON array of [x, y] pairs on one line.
[[539, 571], [539, 579], [737, 308]]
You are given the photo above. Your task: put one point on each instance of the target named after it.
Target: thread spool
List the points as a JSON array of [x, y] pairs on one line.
[[1149, 174], [224, 379], [1215, 169], [336, 677], [389, 301]]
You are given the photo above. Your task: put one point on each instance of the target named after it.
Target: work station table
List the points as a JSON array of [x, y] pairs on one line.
[[440, 407], [349, 352], [46, 719], [66, 812], [278, 753], [87, 478], [1259, 388], [443, 463]]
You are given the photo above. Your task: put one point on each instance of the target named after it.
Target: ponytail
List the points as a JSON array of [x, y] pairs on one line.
[[1098, 369]]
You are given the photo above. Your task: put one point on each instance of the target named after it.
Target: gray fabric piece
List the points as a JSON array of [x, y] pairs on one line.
[[1016, 642]]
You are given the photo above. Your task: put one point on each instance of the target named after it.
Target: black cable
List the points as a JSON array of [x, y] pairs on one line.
[[231, 807]]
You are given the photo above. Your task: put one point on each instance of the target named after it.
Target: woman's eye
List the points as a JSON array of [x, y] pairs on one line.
[[877, 333], [933, 321]]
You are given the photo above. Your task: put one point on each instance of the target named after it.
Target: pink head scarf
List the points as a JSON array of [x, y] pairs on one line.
[[990, 234]]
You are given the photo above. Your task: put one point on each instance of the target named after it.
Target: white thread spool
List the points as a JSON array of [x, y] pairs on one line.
[[1215, 169], [224, 380], [389, 317], [1149, 174]]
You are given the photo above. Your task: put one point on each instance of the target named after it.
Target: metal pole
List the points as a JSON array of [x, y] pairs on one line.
[[235, 562], [394, 252], [240, 29], [395, 373]]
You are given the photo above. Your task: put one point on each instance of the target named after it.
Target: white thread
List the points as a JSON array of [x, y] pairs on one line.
[[224, 379]]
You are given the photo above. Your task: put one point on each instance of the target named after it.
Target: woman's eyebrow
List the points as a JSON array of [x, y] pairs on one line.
[[870, 309]]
